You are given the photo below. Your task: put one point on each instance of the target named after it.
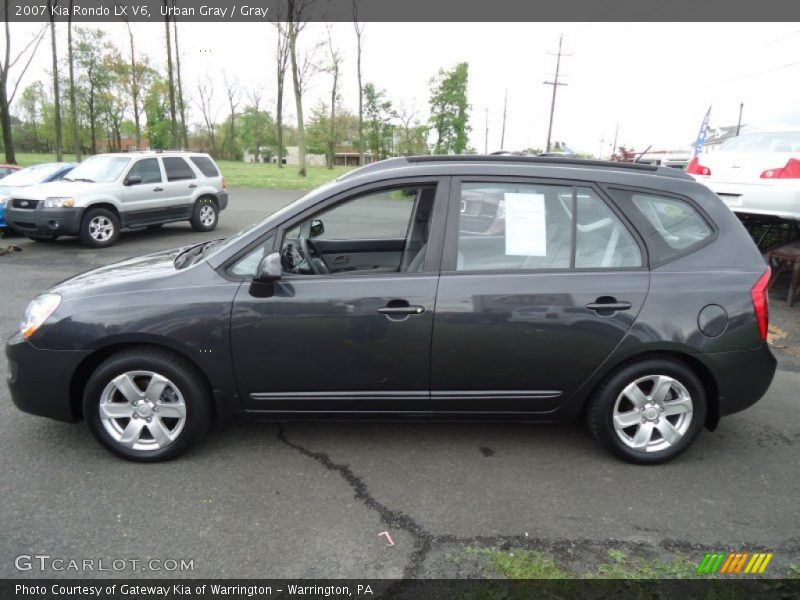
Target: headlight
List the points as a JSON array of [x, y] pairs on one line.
[[4, 200], [38, 312], [59, 202]]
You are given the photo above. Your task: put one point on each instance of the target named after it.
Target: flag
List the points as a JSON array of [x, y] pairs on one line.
[[702, 134]]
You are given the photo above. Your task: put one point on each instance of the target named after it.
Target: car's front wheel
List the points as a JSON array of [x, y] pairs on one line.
[[648, 412], [99, 228], [147, 405]]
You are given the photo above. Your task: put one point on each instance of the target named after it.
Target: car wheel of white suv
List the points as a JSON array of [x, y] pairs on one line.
[[99, 228], [206, 215]]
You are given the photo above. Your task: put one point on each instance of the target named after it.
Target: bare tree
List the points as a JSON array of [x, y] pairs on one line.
[[406, 116], [281, 62], [73, 107], [333, 68], [205, 102], [135, 90], [170, 79], [359, 27], [8, 62], [302, 69], [233, 95], [56, 93], [181, 105], [254, 96]]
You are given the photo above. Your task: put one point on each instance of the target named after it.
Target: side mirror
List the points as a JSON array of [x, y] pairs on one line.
[[267, 273], [133, 180], [317, 228]]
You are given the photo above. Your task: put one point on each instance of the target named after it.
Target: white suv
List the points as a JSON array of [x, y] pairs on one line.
[[110, 192]]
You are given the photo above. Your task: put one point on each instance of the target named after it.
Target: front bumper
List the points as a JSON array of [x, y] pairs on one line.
[[222, 200], [45, 221], [3, 223], [742, 377], [39, 380]]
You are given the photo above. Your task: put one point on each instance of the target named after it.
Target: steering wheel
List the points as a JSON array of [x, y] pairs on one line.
[[317, 263]]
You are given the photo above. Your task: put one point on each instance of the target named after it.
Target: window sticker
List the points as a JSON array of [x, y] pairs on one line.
[[526, 225]]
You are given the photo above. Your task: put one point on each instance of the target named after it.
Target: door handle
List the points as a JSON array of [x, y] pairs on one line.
[[192, 185], [400, 308], [608, 305], [158, 189]]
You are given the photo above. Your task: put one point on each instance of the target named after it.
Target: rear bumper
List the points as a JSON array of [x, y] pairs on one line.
[[742, 377], [45, 221], [779, 198], [222, 200], [39, 380]]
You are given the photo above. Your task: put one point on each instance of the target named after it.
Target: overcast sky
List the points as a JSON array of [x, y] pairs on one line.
[[654, 80]]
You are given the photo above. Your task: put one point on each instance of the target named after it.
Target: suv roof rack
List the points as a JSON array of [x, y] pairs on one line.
[[550, 160]]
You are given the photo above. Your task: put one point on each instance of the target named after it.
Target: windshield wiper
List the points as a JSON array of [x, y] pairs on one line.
[[186, 258], [86, 179]]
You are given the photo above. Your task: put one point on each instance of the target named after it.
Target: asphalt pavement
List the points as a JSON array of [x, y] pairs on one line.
[[311, 499]]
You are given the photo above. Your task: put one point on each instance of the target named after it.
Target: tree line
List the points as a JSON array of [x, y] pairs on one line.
[[102, 92]]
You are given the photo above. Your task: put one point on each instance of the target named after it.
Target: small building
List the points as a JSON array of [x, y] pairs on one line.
[[127, 143]]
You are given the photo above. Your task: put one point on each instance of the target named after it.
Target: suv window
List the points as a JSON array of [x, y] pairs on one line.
[[206, 166], [670, 226], [602, 241], [148, 170], [177, 169]]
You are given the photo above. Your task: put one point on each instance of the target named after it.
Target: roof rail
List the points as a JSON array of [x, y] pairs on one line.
[[578, 162]]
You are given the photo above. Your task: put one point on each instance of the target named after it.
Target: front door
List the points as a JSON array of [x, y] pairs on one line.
[[144, 200], [349, 325], [539, 284]]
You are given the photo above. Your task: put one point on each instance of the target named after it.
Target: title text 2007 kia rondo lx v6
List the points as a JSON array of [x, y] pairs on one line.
[[431, 287]]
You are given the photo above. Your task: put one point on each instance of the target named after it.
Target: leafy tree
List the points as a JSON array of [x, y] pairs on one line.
[[93, 78], [449, 110], [257, 131], [156, 108], [378, 113]]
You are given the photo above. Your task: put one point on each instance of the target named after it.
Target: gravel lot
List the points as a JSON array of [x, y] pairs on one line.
[[309, 500]]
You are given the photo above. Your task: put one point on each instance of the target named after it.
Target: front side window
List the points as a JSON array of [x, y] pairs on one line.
[[379, 232], [177, 169], [602, 241], [147, 169]]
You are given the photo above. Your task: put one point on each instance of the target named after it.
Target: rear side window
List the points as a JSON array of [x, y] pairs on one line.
[[206, 166], [177, 169], [670, 226]]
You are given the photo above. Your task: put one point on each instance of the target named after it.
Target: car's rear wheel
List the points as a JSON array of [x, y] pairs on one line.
[[648, 412], [99, 228], [147, 405], [205, 216]]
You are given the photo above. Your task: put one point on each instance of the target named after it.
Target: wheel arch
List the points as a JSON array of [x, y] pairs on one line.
[[206, 195], [89, 364], [107, 204], [698, 368]]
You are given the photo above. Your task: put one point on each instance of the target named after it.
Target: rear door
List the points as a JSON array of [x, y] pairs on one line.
[[532, 300], [181, 182]]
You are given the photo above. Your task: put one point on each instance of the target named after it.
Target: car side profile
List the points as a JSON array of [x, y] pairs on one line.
[[468, 288], [34, 175], [110, 192]]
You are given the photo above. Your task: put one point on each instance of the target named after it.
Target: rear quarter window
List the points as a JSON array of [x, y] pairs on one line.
[[670, 226], [206, 166]]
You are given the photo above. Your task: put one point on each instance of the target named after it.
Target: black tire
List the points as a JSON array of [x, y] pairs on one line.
[[203, 209], [184, 381], [600, 412], [42, 238], [93, 218]]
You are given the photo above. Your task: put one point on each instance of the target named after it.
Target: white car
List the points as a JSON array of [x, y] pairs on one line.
[[110, 192], [756, 173]]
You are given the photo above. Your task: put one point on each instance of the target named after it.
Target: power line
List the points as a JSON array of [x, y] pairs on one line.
[[555, 83]]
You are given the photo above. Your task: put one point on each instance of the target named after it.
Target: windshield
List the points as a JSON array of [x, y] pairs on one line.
[[764, 142], [101, 169], [231, 241], [32, 175]]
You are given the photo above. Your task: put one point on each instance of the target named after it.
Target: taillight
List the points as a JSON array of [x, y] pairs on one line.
[[791, 170], [224, 184], [760, 298], [695, 168]]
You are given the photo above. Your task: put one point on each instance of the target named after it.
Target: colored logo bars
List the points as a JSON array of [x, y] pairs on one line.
[[730, 563]]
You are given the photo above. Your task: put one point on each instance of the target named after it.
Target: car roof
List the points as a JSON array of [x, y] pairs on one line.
[[139, 153]]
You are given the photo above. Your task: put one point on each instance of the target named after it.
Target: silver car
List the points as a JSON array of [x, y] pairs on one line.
[[755, 174], [110, 192]]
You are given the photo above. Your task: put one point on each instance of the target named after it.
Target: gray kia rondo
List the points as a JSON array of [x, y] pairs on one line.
[[470, 287]]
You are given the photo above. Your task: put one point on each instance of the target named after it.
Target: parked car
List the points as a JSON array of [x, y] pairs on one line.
[[110, 192], [756, 174], [8, 169], [622, 293], [26, 177]]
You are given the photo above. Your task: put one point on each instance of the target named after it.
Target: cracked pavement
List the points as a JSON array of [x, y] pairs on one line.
[[310, 499]]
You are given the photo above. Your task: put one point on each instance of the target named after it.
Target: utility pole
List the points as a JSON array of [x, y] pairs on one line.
[[555, 83], [503, 134], [486, 138], [739, 123], [614, 149]]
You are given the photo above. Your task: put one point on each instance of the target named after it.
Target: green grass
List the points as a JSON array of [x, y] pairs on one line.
[[238, 174]]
